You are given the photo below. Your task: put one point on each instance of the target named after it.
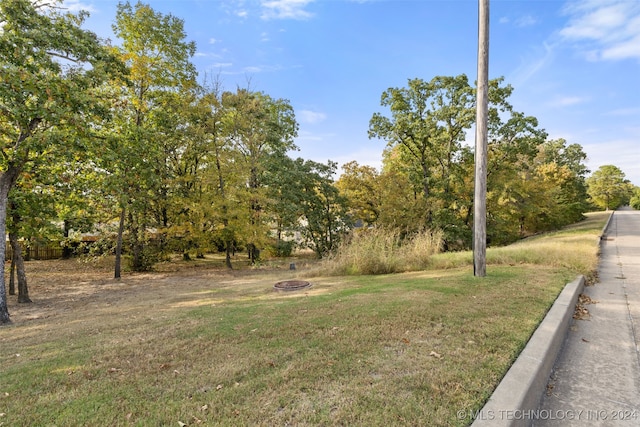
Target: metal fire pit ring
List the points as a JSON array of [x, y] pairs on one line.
[[291, 285]]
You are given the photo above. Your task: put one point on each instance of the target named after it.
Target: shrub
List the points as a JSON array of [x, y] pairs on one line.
[[382, 251], [281, 249]]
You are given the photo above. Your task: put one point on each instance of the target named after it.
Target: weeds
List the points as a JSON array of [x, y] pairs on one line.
[[384, 251]]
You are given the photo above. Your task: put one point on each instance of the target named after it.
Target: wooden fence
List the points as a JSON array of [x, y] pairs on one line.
[[36, 252]]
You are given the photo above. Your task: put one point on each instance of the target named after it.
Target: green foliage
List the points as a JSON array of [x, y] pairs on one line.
[[151, 115], [360, 185], [608, 187], [634, 201], [427, 179], [309, 202], [428, 123], [281, 248], [51, 72], [128, 129]]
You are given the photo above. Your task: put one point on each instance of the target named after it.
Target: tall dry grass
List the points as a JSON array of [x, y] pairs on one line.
[[383, 251], [575, 248]]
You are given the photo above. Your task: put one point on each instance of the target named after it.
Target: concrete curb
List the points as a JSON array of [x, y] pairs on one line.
[[603, 234], [518, 394]]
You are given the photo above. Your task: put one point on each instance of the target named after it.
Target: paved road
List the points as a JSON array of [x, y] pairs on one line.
[[596, 379]]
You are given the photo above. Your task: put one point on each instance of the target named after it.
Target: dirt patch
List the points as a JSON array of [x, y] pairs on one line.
[[61, 288]]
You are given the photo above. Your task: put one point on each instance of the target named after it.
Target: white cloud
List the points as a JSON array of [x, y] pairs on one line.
[[526, 21], [365, 156], [565, 101], [77, 6], [605, 29], [206, 55], [530, 67], [285, 9], [261, 68], [624, 112], [311, 117], [213, 41], [623, 50], [253, 69], [523, 21]]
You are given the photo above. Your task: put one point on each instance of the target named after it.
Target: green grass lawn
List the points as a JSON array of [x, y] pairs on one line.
[[402, 349]]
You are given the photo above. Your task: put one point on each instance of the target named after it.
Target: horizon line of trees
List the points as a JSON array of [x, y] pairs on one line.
[[98, 134]]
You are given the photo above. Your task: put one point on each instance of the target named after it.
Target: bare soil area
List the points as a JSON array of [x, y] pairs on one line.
[[76, 288]]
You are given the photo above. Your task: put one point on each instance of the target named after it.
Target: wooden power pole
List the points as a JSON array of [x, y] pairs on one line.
[[482, 109]]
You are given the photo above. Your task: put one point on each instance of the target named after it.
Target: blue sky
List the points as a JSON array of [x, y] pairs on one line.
[[575, 65]]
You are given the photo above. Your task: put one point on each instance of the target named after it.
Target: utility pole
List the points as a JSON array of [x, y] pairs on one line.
[[482, 109]]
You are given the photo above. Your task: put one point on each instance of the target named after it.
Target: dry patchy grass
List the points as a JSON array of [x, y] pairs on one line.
[[199, 345]]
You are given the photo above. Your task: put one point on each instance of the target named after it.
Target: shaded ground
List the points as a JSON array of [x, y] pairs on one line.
[[61, 288]]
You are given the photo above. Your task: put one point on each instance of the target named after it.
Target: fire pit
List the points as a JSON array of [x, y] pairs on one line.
[[291, 285]]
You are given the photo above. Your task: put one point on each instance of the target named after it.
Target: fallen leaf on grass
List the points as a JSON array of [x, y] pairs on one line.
[[436, 355], [219, 387]]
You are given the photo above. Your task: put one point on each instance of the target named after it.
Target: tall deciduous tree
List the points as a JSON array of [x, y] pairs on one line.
[[50, 68], [260, 128], [306, 193], [155, 50], [359, 184], [609, 188], [428, 121]]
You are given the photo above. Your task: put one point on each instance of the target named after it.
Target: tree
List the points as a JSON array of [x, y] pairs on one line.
[[634, 202], [149, 120], [31, 213], [260, 129], [572, 191], [359, 184], [51, 67], [608, 187], [428, 121], [320, 209], [425, 135], [214, 182]]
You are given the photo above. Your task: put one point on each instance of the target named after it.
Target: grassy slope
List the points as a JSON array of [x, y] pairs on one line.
[[404, 349]]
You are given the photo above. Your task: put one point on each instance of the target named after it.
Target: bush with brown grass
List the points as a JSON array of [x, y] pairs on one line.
[[383, 251]]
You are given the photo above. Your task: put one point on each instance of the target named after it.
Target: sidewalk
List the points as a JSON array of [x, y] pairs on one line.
[[596, 379]]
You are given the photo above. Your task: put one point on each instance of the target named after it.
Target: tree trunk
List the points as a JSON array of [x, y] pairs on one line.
[[227, 258], [12, 276], [7, 179], [23, 290], [116, 274], [66, 250], [137, 230]]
